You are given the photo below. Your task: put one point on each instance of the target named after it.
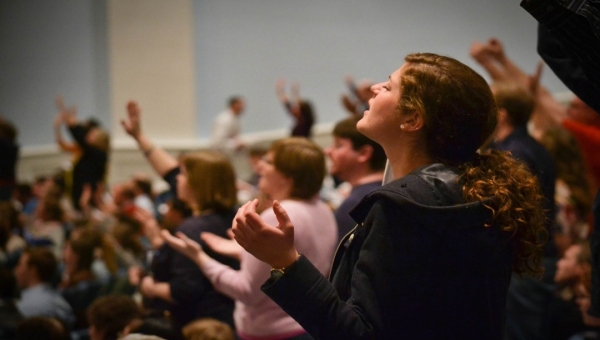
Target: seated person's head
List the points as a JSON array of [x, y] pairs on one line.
[[127, 231], [236, 104], [36, 266], [575, 264], [207, 329], [295, 165], [41, 327], [351, 148], [515, 103], [9, 221], [142, 185], [79, 251], [110, 316], [207, 182], [7, 130]]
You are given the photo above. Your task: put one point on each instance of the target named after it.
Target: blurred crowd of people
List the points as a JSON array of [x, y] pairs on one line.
[[82, 259]]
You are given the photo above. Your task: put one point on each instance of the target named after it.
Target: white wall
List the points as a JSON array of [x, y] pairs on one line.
[[182, 59], [242, 47]]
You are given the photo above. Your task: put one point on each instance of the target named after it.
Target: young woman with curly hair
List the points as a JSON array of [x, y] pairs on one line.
[[434, 250]]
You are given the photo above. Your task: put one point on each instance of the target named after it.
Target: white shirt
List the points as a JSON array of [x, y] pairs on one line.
[[225, 131]]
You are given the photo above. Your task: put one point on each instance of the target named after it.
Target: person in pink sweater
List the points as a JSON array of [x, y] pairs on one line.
[[292, 173]]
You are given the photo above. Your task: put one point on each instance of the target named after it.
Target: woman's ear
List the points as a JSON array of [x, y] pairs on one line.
[[413, 121]]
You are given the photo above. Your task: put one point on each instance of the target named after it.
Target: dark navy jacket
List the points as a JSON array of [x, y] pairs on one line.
[[420, 265]]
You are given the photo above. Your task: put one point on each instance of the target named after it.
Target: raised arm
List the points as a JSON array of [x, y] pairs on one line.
[[500, 67], [62, 144], [160, 160]]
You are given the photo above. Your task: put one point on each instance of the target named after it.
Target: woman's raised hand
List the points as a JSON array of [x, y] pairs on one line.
[[271, 244], [132, 125], [223, 246]]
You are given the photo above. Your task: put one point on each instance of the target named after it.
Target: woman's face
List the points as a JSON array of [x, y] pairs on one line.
[[273, 182], [184, 191], [381, 121]]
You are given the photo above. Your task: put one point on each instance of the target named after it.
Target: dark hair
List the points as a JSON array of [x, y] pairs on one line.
[[303, 161], [9, 220], [111, 314], [347, 129], [8, 283], [7, 130], [43, 260], [181, 207], [233, 100], [51, 209], [515, 100], [126, 232], [144, 185], [460, 115], [42, 327]]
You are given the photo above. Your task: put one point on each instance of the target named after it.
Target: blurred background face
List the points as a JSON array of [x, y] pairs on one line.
[[567, 268], [342, 156], [184, 191], [272, 182], [238, 107]]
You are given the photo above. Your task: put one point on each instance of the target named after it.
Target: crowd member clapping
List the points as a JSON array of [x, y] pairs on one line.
[[291, 172], [206, 182]]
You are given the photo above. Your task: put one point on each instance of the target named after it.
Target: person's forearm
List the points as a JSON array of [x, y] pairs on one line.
[[162, 291], [514, 73], [493, 70], [160, 160]]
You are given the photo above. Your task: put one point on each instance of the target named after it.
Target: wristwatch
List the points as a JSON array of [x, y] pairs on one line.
[[277, 273]]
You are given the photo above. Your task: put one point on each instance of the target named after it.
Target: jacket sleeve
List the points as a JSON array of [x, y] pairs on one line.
[[570, 45], [314, 303], [187, 282]]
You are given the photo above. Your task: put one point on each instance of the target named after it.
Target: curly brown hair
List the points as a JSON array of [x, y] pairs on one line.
[[516, 199], [460, 116]]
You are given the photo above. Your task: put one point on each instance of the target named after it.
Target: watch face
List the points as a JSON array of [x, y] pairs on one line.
[[276, 274]]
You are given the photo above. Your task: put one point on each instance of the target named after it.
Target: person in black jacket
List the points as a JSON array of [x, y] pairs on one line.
[[434, 250], [9, 154], [89, 169]]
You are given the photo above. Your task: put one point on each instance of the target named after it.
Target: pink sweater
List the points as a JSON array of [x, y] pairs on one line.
[[256, 316]]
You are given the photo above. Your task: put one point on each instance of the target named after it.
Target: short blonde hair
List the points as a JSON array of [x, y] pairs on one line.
[[212, 180], [303, 161], [207, 329]]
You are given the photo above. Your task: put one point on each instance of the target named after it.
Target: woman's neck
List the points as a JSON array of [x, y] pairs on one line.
[[406, 159]]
